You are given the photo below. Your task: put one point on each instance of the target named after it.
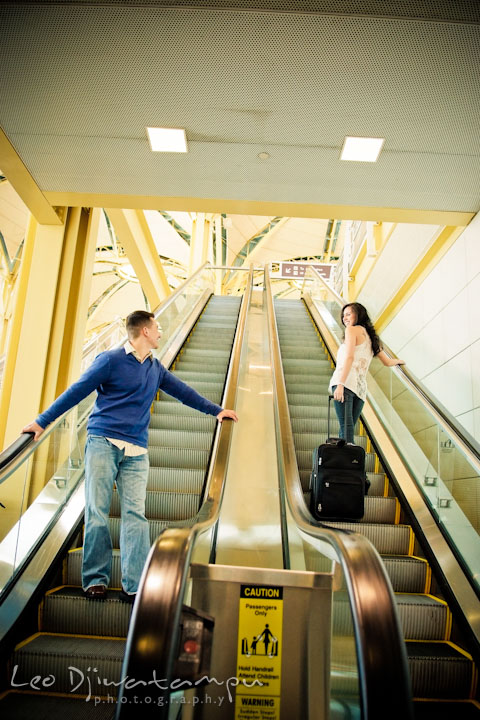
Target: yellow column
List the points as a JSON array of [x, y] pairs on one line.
[[441, 243], [67, 335], [30, 329], [7, 301], [219, 274], [133, 232], [68, 329], [379, 234], [27, 351], [199, 244]]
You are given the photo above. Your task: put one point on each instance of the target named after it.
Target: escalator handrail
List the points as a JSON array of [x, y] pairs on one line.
[[13, 451], [469, 445], [18, 451], [158, 607], [382, 660]]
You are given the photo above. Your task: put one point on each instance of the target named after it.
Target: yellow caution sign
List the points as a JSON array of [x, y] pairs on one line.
[[259, 653]]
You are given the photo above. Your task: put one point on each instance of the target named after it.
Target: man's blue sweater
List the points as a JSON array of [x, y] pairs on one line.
[[125, 389]]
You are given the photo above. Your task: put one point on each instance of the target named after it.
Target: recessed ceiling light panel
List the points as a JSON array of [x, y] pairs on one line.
[[361, 149], [167, 139]]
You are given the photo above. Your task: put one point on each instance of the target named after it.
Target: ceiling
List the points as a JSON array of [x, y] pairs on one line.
[[80, 81]]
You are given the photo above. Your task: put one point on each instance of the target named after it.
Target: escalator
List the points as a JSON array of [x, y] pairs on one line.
[[77, 651], [443, 673], [343, 656], [310, 670]]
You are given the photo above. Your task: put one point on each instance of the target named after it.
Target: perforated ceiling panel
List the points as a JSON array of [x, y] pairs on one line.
[[80, 83]]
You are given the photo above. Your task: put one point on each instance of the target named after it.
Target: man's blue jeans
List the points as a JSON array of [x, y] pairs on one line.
[[348, 413], [105, 465]]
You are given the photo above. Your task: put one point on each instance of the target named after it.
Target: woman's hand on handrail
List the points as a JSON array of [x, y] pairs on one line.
[[389, 361]]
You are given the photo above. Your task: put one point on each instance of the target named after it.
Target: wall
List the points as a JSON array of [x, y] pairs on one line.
[[437, 332]]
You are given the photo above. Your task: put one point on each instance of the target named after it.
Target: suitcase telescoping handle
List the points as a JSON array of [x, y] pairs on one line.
[[330, 398]]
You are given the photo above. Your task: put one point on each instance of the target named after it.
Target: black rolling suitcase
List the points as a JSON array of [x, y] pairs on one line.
[[338, 481]]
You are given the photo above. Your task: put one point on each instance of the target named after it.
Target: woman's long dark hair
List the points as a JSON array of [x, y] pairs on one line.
[[364, 320]]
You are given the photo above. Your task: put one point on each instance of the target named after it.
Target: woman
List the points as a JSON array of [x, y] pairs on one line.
[[349, 381]]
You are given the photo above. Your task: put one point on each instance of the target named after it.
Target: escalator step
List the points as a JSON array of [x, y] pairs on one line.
[[203, 375], [420, 615], [317, 385], [407, 574], [214, 364], [423, 617], [178, 457], [169, 406], [179, 439], [164, 505], [304, 367], [204, 387], [205, 353], [387, 539], [175, 479], [299, 410], [73, 569], [439, 669], [156, 526], [183, 422], [67, 610], [50, 654], [308, 351], [305, 400]]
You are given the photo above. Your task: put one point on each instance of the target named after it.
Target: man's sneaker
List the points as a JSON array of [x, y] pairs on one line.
[[96, 592]]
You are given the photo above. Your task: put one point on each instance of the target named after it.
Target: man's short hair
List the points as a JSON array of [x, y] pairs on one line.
[[137, 320]]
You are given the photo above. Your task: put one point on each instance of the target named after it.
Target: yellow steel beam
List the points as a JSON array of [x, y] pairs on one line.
[[201, 242], [27, 350], [364, 263], [9, 280], [218, 254], [69, 321], [24, 184], [67, 332], [443, 241], [134, 234], [30, 328], [255, 207]]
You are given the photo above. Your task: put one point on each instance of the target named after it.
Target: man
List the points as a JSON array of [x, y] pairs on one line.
[[126, 381]]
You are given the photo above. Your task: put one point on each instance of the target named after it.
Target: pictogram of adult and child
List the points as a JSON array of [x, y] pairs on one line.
[[269, 640]]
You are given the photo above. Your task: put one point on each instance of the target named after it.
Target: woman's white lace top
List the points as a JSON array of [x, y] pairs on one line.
[[356, 380]]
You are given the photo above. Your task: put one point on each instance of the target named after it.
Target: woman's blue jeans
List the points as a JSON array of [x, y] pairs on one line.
[[348, 413], [105, 465]]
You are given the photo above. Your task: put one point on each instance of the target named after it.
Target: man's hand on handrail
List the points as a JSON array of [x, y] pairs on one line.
[[35, 428], [231, 414]]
